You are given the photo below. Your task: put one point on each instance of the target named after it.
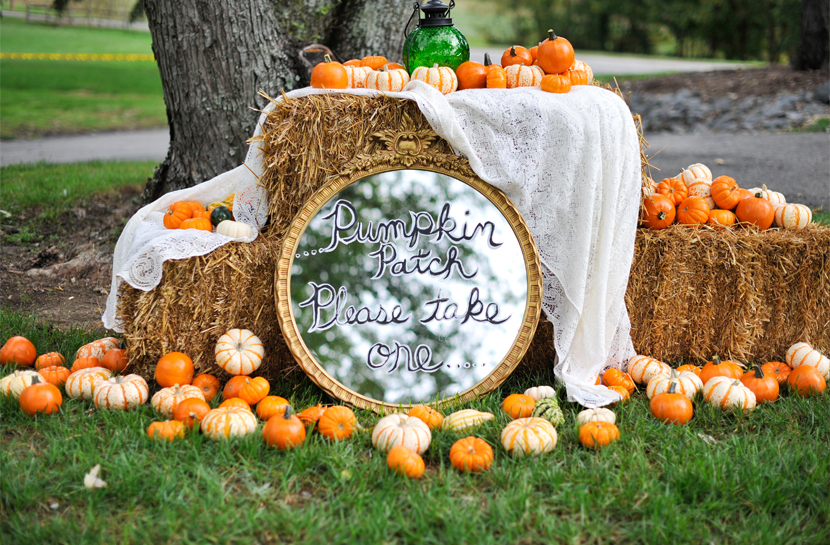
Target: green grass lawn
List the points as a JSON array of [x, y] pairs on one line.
[[43, 97], [727, 478]]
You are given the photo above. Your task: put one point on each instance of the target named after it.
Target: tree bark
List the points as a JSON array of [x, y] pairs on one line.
[[814, 46], [215, 55]]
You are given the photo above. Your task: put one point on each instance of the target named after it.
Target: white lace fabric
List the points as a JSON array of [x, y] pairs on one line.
[[569, 162]]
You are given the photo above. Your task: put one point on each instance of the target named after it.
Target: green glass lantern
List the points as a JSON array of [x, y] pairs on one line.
[[435, 40]]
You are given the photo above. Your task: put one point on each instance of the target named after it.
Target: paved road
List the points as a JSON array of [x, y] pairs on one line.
[[797, 164], [622, 65]]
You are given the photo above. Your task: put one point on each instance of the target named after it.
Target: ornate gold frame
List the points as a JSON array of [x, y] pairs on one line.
[[405, 147]]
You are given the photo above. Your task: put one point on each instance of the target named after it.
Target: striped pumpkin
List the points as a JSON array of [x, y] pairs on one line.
[[166, 399], [549, 409], [442, 78], [527, 436], [774, 197], [465, 419], [239, 352], [14, 384], [519, 75], [227, 422], [728, 393], [400, 429], [121, 393], [81, 384], [387, 80], [792, 216], [697, 170], [579, 65], [687, 383], [643, 368], [97, 349], [357, 76], [804, 354]]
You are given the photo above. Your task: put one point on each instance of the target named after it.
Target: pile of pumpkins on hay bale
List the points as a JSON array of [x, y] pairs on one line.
[[550, 66], [693, 198], [182, 401]]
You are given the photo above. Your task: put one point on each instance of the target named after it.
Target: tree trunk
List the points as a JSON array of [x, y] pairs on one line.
[[215, 55], [814, 46]]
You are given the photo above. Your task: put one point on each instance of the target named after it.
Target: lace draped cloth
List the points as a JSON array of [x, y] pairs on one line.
[[569, 162]]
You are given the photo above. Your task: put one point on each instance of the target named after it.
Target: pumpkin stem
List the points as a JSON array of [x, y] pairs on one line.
[[513, 51], [716, 360], [672, 386], [487, 61], [36, 379], [287, 414], [759, 373], [551, 35], [327, 58], [661, 215]]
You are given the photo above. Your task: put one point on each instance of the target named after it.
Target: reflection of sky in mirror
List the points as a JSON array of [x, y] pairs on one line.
[[425, 312]]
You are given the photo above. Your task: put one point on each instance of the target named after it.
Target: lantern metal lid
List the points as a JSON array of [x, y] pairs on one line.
[[435, 40]]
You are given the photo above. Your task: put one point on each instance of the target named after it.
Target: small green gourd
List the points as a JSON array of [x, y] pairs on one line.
[[548, 408]]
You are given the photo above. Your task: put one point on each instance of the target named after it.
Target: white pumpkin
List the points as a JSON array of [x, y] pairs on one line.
[[234, 229], [97, 349], [239, 351], [804, 354], [81, 384], [643, 368], [465, 419], [400, 429], [793, 216], [695, 171], [526, 436], [121, 393], [442, 78], [521, 75], [773, 197], [387, 80], [357, 76], [540, 392], [14, 384], [600, 414], [166, 399], [727, 392], [228, 422], [687, 383]]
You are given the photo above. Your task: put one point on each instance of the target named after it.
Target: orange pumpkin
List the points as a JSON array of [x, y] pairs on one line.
[[57, 374], [234, 385], [176, 214], [765, 387], [690, 368], [578, 77], [518, 406], [85, 363], [598, 434], [671, 407], [255, 391], [496, 78], [167, 430], [777, 369], [555, 55], [623, 393], [208, 384], [329, 75], [674, 189], [718, 368], [337, 423], [40, 397], [202, 224], [471, 454], [405, 461], [271, 406], [756, 210], [235, 402], [284, 431], [49, 359], [693, 211], [615, 377], [657, 212], [471, 75], [517, 55], [556, 83], [174, 368], [428, 415], [375, 62], [115, 360], [725, 192], [806, 381], [720, 219], [190, 411], [18, 351], [312, 415]]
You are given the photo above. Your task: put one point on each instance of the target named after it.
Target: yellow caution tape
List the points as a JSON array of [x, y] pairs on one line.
[[77, 57]]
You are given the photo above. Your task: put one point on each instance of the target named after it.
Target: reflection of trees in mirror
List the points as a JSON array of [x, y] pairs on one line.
[[422, 274]]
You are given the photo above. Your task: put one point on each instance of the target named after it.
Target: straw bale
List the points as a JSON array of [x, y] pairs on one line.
[[740, 293]]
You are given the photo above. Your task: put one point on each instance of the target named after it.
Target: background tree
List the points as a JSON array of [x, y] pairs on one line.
[[814, 47], [215, 55]]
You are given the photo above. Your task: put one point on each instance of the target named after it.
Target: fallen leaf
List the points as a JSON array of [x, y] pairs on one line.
[[91, 479]]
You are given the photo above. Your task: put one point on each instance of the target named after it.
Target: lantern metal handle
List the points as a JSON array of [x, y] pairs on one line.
[[415, 11]]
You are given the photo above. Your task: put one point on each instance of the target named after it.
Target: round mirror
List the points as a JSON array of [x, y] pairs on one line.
[[408, 286]]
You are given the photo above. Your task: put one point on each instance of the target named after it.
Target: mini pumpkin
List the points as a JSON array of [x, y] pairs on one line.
[[519, 75], [176, 214], [518, 405], [720, 219], [792, 216], [516, 55], [674, 189], [234, 385], [765, 387], [496, 78], [49, 359], [598, 434], [209, 385], [390, 81], [643, 368], [555, 83], [431, 417], [725, 192], [228, 422], [728, 393], [357, 76], [236, 402], [471, 75], [329, 75], [540, 392], [555, 54], [284, 431], [756, 210], [57, 374], [687, 384], [693, 211], [115, 360], [718, 368], [623, 392], [239, 352], [803, 354], [337, 423], [400, 429], [121, 393], [466, 419], [528, 436], [85, 363], [806, 381], [312, 414], [12, 385], [18, 351], [199, 223], [777, 369], [441, 77], [191, 411], [471, 455], [40, 397], [615, 377], [97, 349], [234, 229], [174, 368], [690, 369], [168, 430], [658, 212], [549, 409], [271, 406], [404, 461], [255, 391], [671, 407], [599, 414], [695, 171], [81, 384], [166, 399]]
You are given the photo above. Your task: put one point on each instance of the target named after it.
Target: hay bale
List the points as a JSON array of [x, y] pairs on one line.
[[741, 293]]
